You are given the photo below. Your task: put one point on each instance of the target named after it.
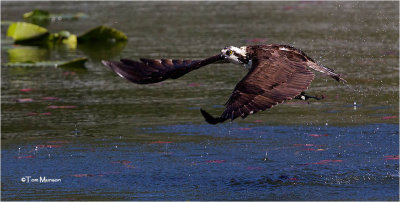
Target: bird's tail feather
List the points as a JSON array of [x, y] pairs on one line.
[[210, 119], [327, 71]]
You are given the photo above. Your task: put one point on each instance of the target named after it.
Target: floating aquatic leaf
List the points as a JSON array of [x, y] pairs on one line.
[[75, 64], [30, 34], [39, 17], [63, 37], [78, 63], [23, 32], [102, 34], [38, 14]]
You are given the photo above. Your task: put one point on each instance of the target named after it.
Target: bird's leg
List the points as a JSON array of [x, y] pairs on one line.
[[303, 96]]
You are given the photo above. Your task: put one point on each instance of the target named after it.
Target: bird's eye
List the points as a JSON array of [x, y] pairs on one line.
[[228, 52]]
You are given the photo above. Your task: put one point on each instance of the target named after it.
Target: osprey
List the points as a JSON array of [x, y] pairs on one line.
[[276, 73]]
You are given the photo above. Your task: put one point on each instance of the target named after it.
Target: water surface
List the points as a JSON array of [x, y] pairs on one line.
[[106, 138]]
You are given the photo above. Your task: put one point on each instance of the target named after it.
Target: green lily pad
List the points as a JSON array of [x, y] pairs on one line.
[[102, 33], [76, 64], [26, 32], [37, 15], [64, 37]]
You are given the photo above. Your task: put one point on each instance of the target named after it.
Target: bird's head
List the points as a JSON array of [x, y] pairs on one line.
[[235, 55]]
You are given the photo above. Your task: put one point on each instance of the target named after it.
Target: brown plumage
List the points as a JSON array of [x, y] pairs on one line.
[[153, 71], [277, 73]]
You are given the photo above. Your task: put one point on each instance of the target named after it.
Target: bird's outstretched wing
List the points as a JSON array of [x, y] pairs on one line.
[[275, 76], [152, 71]]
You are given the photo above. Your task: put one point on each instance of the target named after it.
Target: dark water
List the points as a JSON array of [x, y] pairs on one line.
[[102, 138]]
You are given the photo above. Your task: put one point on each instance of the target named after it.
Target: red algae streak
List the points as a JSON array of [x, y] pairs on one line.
[[308, 145], [194, 85], [388, 117], [392, 157], [48, 146], [69, 73], [123, 162], [82, 175], [25, 157], [50, 98], [26, 90], [37, 114], [318, 135], [24, 100]]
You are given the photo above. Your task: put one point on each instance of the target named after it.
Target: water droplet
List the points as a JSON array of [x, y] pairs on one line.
[[266, 156]]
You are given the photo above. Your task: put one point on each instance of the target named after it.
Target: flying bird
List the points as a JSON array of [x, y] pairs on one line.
[[276, 73]]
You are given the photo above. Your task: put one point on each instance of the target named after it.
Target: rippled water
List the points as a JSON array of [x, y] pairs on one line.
[[106, 138]]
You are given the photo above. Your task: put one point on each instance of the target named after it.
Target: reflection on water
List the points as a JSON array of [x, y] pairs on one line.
[[106, 138]]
